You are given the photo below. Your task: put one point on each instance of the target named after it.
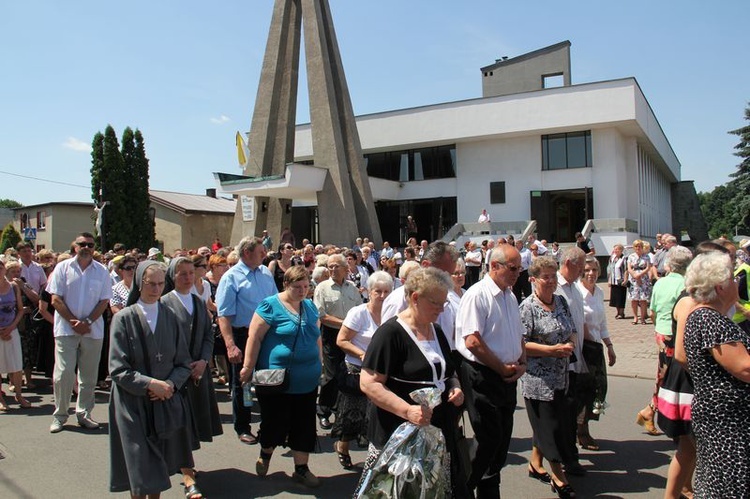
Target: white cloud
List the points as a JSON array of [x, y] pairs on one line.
[[75, 144], [220, 120]]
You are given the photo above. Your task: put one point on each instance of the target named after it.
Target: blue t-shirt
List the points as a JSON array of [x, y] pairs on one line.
[[276, 348]]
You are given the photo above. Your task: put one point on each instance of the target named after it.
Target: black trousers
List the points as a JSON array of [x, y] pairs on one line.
[[242, 415], [522, 287], [490, 403], [332, 359], [571, 417]]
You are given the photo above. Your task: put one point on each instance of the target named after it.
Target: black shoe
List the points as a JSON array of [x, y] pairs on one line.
[[325, 423], [574, 469]]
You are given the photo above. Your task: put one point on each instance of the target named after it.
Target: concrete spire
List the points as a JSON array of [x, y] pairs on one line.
[[345, 205]]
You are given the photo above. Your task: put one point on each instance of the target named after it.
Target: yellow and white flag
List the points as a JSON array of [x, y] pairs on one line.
[[241, 157]]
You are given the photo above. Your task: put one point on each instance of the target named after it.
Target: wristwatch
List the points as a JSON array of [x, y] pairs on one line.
[[87, 321]]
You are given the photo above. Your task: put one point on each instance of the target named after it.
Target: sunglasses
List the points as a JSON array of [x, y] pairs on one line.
[[85, 245], [129, 267], [201, 266], [289, 247]]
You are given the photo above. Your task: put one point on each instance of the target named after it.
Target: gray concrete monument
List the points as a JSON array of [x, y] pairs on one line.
[[345, 205]]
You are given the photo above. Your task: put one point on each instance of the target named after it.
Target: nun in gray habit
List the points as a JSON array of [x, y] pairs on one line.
[[149, 433], [195, 327]]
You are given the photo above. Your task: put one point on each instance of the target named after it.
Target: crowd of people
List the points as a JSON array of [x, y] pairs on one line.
[[336, 338]]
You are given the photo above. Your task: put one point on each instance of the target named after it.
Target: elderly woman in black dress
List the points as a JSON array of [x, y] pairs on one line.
[[550, 336], [719, 363], [409, 352]]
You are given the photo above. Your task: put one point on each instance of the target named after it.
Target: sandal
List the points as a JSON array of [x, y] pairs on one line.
[[564, 491], [345, 460], [648, 424], [193, 492], [22, 402], [543, 477], [587, 442], [3, 406], [635, 322]]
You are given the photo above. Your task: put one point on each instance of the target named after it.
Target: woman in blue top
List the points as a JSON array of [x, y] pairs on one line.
[[285, 333]]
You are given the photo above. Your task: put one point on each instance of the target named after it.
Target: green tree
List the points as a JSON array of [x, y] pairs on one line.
[[9, 238], [9, 203], [119, 176], [142, 220], [741, 204], [718, 209]]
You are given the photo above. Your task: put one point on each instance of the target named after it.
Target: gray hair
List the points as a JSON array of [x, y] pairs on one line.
[[461, 263], [706, 272], [247, 243], [541, 263], [678, 259], [380, 277], [424, 279], [337, 258], [317, 273], [573, 254], [437, 250]]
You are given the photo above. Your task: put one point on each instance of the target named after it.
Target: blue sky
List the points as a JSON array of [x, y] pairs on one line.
[[186, 74]]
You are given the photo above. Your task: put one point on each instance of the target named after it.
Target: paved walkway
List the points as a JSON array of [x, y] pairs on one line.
[[635, 347]]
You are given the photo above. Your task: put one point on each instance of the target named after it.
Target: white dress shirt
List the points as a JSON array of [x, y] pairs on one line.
[[81, 290], [493, 313], [575, 303]]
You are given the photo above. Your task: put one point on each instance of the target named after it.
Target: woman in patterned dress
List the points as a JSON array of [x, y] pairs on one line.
[[550, 335], [719, 364], [639, 291]]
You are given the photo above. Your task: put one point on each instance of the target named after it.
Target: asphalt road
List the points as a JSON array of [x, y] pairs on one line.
[[75, 463]]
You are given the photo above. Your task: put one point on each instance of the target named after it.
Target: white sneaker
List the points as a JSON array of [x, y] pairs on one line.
[[56, 426], [88, 423]]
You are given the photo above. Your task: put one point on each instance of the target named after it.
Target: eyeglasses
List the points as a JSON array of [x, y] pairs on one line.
[[128, 268], [458, 274], [333, 267], [511, 268], [85, 244]]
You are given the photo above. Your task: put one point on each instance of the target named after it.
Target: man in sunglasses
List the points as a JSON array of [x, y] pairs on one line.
[[81, 290], [489, 336]]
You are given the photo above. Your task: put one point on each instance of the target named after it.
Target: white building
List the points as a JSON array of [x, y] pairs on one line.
[[560, 156]]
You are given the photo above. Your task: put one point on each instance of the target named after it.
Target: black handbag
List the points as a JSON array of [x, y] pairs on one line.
[[346, 381], [269, 381]]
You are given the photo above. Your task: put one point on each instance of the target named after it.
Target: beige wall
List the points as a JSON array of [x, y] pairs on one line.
[[63, 224], [190, 231]]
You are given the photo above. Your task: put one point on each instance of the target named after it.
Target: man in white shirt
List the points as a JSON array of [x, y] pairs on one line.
[[484, 217], [31, 271], [81, 290], [571, 268], [489, 335]]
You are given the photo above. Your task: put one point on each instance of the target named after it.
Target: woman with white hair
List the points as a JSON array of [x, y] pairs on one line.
[[353, 339], [719, 364]]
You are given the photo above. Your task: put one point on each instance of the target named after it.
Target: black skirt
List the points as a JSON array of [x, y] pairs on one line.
[[617, 296], [549, 421]]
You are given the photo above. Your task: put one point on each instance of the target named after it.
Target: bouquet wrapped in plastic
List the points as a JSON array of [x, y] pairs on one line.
[[413, 462]]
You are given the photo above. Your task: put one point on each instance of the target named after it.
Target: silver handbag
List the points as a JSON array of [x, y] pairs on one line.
[[271, 380]]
